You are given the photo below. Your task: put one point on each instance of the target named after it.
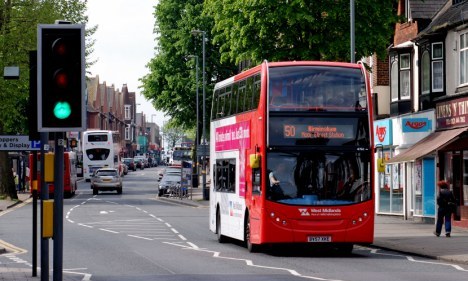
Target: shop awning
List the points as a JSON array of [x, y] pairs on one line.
[[427, 145]]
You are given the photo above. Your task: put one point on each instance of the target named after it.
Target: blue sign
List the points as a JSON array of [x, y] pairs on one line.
[[383, 132], [412, 125], [35, 145]]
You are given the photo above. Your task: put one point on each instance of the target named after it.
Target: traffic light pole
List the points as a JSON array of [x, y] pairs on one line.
[[58, 206], [44, 196]]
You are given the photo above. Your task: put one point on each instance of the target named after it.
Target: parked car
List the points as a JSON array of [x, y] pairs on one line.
[[170, 171], [167, 183], [106, 179], [130, 163], [139, 163]]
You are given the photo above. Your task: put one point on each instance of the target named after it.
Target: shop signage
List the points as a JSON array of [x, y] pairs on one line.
[[383, 132], [412, 125], [18, 143], [452, 113]]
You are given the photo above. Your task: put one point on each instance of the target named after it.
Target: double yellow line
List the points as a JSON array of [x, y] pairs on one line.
[[11, 249]]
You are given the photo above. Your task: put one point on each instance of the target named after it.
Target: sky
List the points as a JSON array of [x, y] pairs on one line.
[[124, 44]]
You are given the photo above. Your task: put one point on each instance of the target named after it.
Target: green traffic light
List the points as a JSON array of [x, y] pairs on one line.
[[62, 110]]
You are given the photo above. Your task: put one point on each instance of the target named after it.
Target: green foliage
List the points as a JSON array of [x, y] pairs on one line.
[[252, 31], [18, 27], [279, 30], [173, 133], [18, 36], [171, 82]]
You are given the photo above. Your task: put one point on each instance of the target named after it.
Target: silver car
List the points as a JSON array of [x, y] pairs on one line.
[[106, 179]]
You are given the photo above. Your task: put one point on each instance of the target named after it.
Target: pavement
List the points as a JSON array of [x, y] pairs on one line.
[[391, 233]]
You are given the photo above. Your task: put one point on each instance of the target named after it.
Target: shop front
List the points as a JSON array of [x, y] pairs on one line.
[[388, 195], [405, 184], [453, 156]]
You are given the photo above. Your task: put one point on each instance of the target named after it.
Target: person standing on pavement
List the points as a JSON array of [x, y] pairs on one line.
[[446, 202]]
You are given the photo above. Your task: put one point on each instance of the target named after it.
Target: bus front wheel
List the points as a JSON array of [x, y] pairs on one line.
[[252, 248]]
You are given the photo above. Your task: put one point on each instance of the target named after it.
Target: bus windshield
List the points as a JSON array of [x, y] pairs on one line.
[[97, 154], [314, 177], [182, 154], [317, 88]]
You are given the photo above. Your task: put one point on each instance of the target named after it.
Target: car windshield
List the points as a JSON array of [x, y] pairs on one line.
[[170, 178], [106, 173]]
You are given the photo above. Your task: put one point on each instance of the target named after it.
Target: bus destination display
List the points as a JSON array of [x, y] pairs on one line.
[[304, 131]]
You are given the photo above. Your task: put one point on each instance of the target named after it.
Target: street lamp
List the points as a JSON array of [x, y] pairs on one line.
[[197, 134], [197, 32], [152, 115]]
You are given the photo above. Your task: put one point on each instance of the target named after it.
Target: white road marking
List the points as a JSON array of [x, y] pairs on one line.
[[85, 225], [111, 231], [410, 258]]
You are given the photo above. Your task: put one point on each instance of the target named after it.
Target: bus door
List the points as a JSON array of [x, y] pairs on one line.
[[254, 194]]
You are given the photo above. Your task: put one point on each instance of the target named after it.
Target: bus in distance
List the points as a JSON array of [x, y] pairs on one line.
[[290, 153], [101, 148], [179, 154]]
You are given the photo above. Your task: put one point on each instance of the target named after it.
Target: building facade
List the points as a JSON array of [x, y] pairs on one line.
[[421, 136]]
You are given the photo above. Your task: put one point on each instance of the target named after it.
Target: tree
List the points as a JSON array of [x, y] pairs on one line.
[[172, 133], [18, 32], [252, 31], [279, 30], [170, 83]]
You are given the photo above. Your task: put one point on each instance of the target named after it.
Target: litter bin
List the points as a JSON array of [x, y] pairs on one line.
[[195, 180]]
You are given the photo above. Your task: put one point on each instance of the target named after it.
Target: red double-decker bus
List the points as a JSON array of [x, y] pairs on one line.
[[291, 155]]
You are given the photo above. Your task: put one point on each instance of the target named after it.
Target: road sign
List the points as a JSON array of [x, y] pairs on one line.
[[18, 143], [203, 150]]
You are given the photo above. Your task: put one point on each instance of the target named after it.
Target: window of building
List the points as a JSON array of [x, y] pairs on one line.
[[394, 83], [405, 72], [437, 67], [128, 112], [127, 133], [425, 73], [406, 11], [464, 58]]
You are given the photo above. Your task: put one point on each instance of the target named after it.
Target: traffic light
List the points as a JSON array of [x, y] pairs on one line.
[[61, 78]]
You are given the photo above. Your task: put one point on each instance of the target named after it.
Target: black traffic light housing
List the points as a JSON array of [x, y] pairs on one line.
[[61, 78]]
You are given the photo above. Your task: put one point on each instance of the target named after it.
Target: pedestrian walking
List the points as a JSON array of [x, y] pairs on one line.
[[447, 203]]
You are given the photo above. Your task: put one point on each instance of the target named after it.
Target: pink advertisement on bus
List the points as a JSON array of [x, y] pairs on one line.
[[235, 137], [231, 137]]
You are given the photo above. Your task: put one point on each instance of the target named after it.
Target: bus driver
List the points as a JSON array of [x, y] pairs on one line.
[[281, 182]]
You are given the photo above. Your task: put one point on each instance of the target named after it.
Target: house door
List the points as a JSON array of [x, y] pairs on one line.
[[457, 178]]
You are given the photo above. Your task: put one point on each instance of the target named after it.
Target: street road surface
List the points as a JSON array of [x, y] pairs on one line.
[[137, 236]]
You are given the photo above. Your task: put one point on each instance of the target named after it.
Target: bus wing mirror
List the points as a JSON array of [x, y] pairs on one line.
[[380, 165], [254, 161]]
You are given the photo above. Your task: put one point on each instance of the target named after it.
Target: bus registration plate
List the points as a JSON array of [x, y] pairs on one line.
[[316, 239]]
